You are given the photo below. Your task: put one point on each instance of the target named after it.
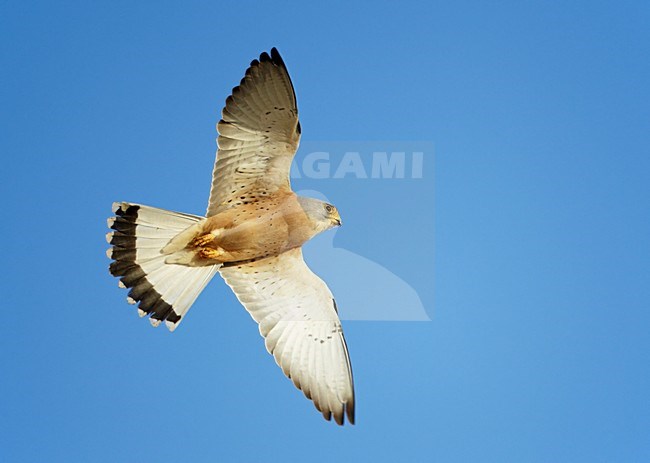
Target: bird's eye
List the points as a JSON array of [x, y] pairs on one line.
[[329, 208]]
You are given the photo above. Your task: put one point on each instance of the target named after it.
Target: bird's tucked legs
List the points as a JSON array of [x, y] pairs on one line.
[[210, 253], [203, 240]]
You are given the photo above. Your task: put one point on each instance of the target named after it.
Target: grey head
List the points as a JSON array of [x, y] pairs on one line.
[[322, 214]]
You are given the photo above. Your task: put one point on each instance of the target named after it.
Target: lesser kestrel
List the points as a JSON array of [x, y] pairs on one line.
[[252, 235]]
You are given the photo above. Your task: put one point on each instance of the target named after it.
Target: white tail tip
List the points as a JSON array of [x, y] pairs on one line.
[[119, 205]]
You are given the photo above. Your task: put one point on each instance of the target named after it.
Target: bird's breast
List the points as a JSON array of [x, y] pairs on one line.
[[257, 230]]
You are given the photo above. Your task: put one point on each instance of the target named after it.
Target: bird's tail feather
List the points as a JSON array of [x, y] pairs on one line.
[[162, 290]]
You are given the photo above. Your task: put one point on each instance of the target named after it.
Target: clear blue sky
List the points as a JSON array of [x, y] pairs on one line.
[[536, 275]]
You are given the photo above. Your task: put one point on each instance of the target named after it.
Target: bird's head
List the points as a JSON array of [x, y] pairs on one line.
[[323, 215], [332, 214]]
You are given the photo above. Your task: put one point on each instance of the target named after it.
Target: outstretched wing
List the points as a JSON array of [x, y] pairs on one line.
[[297, 317], [258, 136]]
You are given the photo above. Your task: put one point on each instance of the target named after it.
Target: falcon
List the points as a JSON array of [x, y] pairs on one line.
[[251, 235]]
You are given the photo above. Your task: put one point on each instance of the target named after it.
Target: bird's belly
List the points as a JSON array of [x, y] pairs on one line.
[[253, 238], [251, 231]]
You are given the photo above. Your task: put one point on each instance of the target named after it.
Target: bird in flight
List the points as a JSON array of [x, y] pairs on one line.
[[251, 235]]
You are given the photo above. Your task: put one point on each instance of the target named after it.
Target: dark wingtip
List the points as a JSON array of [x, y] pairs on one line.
[[349, 411], [265, 58], [276, 58]]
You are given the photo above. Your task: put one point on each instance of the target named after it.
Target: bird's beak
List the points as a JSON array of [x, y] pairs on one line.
[[335, 218]]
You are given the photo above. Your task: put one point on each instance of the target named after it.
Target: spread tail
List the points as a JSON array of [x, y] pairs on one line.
[[163, 290]]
